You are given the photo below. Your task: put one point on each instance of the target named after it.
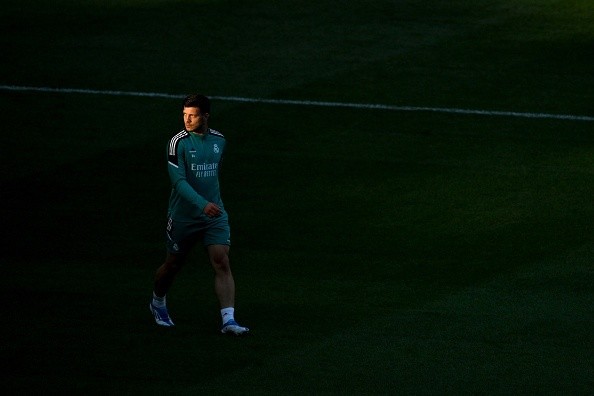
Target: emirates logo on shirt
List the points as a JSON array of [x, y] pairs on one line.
[[205, 169]]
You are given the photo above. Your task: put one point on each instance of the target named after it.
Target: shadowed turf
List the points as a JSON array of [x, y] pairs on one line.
[[375, 252]]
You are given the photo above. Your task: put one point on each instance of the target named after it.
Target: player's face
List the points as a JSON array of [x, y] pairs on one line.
[[194, 120]]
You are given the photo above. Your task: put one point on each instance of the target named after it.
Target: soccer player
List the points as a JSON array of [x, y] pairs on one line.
[[196, 212]]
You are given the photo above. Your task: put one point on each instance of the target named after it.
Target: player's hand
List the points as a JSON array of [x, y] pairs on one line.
[[212, 210]]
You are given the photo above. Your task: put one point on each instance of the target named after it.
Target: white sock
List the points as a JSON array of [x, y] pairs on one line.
[[227, 314], [159, 302]]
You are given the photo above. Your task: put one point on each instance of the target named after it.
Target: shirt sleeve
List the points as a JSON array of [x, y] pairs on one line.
[[177, 174]]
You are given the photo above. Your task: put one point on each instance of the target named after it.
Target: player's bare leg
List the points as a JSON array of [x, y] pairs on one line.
[[224, 282], [163, 280], [225, 288], [166, 273]]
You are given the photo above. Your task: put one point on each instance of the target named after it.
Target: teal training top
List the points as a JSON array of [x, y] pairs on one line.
[[193, 162]]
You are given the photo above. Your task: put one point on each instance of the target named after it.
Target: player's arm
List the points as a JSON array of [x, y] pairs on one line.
[[177, 174]]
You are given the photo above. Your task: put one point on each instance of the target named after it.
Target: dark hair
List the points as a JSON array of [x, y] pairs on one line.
[[197, 100]]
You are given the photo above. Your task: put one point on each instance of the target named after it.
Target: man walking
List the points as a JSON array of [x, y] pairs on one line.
[[196, 212]]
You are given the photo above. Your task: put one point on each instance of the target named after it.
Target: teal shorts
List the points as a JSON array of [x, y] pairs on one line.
[[182, 236]]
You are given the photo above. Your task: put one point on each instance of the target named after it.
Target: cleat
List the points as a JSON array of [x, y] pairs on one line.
[[161, 316], [231, 327]]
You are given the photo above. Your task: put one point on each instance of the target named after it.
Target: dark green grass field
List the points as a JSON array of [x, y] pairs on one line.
[[375, 251]]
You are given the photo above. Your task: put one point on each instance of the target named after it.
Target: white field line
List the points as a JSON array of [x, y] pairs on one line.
[[304, 103]]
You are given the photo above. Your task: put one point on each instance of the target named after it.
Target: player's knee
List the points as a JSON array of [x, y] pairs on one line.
[[174, 263], [220, 261]]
